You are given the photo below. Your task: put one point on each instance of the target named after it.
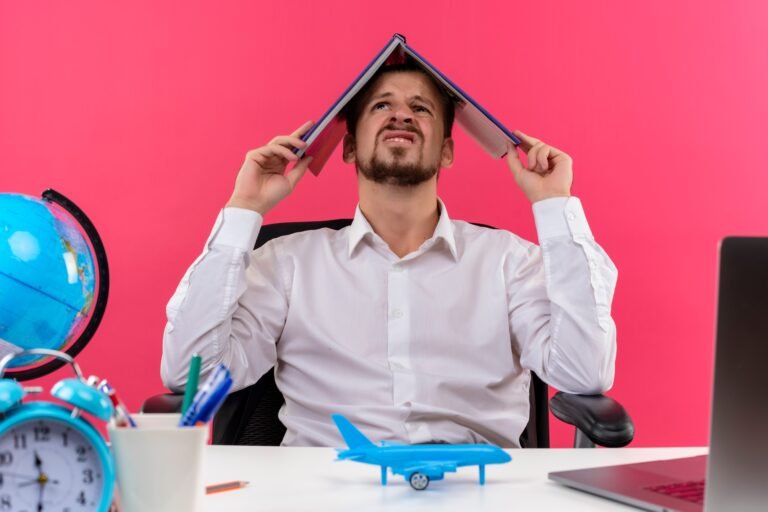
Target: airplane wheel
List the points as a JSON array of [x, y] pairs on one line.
[[419, 481]]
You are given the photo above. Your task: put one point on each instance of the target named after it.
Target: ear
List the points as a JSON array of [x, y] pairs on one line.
[[446, 154], [348, 150]]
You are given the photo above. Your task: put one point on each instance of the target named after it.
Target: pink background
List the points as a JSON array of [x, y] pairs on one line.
[[142, 114]]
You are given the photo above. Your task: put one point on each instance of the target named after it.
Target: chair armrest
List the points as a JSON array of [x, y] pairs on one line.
[[169, 402], [602, 419]]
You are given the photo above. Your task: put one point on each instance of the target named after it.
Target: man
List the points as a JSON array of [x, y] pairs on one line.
[[417, 327]]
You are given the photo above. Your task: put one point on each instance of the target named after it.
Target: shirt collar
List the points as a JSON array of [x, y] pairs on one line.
[[361, 228]]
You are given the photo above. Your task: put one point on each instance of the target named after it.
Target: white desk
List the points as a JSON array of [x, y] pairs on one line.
[[294, 479]]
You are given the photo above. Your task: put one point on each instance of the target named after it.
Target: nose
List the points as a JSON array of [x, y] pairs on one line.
[[402, 115]]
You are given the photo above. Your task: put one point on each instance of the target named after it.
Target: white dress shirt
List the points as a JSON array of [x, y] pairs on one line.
[[435, 346]]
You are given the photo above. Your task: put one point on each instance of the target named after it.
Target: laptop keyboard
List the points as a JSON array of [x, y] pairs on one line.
[[688, 491]]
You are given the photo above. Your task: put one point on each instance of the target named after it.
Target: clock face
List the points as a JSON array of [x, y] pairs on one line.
[[49, 465]]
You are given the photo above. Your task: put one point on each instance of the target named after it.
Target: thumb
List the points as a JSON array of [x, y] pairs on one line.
[[513, 159], [294, 175]]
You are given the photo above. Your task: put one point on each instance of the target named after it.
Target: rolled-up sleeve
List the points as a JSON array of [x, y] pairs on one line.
[[560, 295], [229, 307]]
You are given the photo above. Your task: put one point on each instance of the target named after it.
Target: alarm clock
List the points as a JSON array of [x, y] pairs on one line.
[[50, 455]]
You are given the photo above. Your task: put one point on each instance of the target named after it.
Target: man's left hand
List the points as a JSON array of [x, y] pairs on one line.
[[549, 172]]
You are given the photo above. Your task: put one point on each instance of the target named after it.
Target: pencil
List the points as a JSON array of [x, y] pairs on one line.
[[226, 486]]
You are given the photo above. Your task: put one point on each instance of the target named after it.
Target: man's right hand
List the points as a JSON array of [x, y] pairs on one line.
[[262, 181]]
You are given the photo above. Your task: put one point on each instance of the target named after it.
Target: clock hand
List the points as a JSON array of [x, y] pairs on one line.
[[40, 498], [39, 465], [17, 475], [42, 479], [38, 481]]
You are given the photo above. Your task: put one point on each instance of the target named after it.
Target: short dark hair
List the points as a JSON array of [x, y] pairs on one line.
[[353, 109]]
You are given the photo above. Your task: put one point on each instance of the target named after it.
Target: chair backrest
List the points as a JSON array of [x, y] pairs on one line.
[[249, 416]]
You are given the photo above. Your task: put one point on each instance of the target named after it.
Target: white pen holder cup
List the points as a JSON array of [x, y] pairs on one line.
[[159, 464]]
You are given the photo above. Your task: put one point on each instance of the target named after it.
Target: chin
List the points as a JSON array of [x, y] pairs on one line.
[[399, 155]]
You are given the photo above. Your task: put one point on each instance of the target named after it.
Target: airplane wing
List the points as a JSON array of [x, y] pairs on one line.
[[391, 443], [346, 454], [426, 467]]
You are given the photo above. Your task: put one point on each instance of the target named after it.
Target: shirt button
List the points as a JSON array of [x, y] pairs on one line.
[[397, 313], [592, 264], [397, 268], [571, 216]]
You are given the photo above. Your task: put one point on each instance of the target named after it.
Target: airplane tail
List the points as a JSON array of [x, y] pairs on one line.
[[352, 436]]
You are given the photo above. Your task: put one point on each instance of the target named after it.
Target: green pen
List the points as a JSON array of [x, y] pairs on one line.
[[192, 380]]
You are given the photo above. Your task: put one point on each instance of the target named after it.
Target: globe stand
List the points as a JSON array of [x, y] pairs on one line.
[[100, 303]]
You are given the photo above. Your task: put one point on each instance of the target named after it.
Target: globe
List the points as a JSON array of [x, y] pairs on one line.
[[48, 276]]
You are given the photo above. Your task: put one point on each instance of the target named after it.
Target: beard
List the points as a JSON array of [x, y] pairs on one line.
[[396, 172]]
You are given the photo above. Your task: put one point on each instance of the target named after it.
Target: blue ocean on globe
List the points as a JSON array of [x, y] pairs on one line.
[[47, 283]]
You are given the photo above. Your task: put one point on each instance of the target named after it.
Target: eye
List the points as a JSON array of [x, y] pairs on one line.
[[421, 108], [379, 104]]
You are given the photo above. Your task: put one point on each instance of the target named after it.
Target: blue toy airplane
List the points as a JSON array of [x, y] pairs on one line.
[[417, 463]]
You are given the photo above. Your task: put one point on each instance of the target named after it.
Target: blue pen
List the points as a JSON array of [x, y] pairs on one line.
[[212, 401], [215, 380], [215, 402], [209, 398]]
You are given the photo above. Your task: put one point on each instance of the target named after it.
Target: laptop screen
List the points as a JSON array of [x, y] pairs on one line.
[[737, 473]]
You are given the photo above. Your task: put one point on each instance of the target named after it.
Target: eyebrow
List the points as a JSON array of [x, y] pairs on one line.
[[417, 97]]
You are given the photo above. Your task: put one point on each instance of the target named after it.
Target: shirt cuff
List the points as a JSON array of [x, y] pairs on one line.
[[560, 217], [236, 227]]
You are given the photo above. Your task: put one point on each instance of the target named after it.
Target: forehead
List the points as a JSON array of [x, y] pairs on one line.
[[408, 83]]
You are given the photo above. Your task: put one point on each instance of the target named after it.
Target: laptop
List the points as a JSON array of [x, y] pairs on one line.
[[734, 477]]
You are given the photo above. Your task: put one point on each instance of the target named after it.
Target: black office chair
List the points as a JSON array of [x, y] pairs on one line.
[[249, 416]]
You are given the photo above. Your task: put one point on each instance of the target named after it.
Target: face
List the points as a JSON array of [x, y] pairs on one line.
[[399, 138]]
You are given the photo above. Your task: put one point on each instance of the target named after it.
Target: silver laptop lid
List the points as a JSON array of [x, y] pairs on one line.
[[737, 470]]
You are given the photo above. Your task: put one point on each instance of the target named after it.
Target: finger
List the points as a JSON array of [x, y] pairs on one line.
[[542, 157], [278, 150], [301, 130], [295, 174], [532, 155], [513, 158], [527, 141], [289, 141], [268, 156]]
